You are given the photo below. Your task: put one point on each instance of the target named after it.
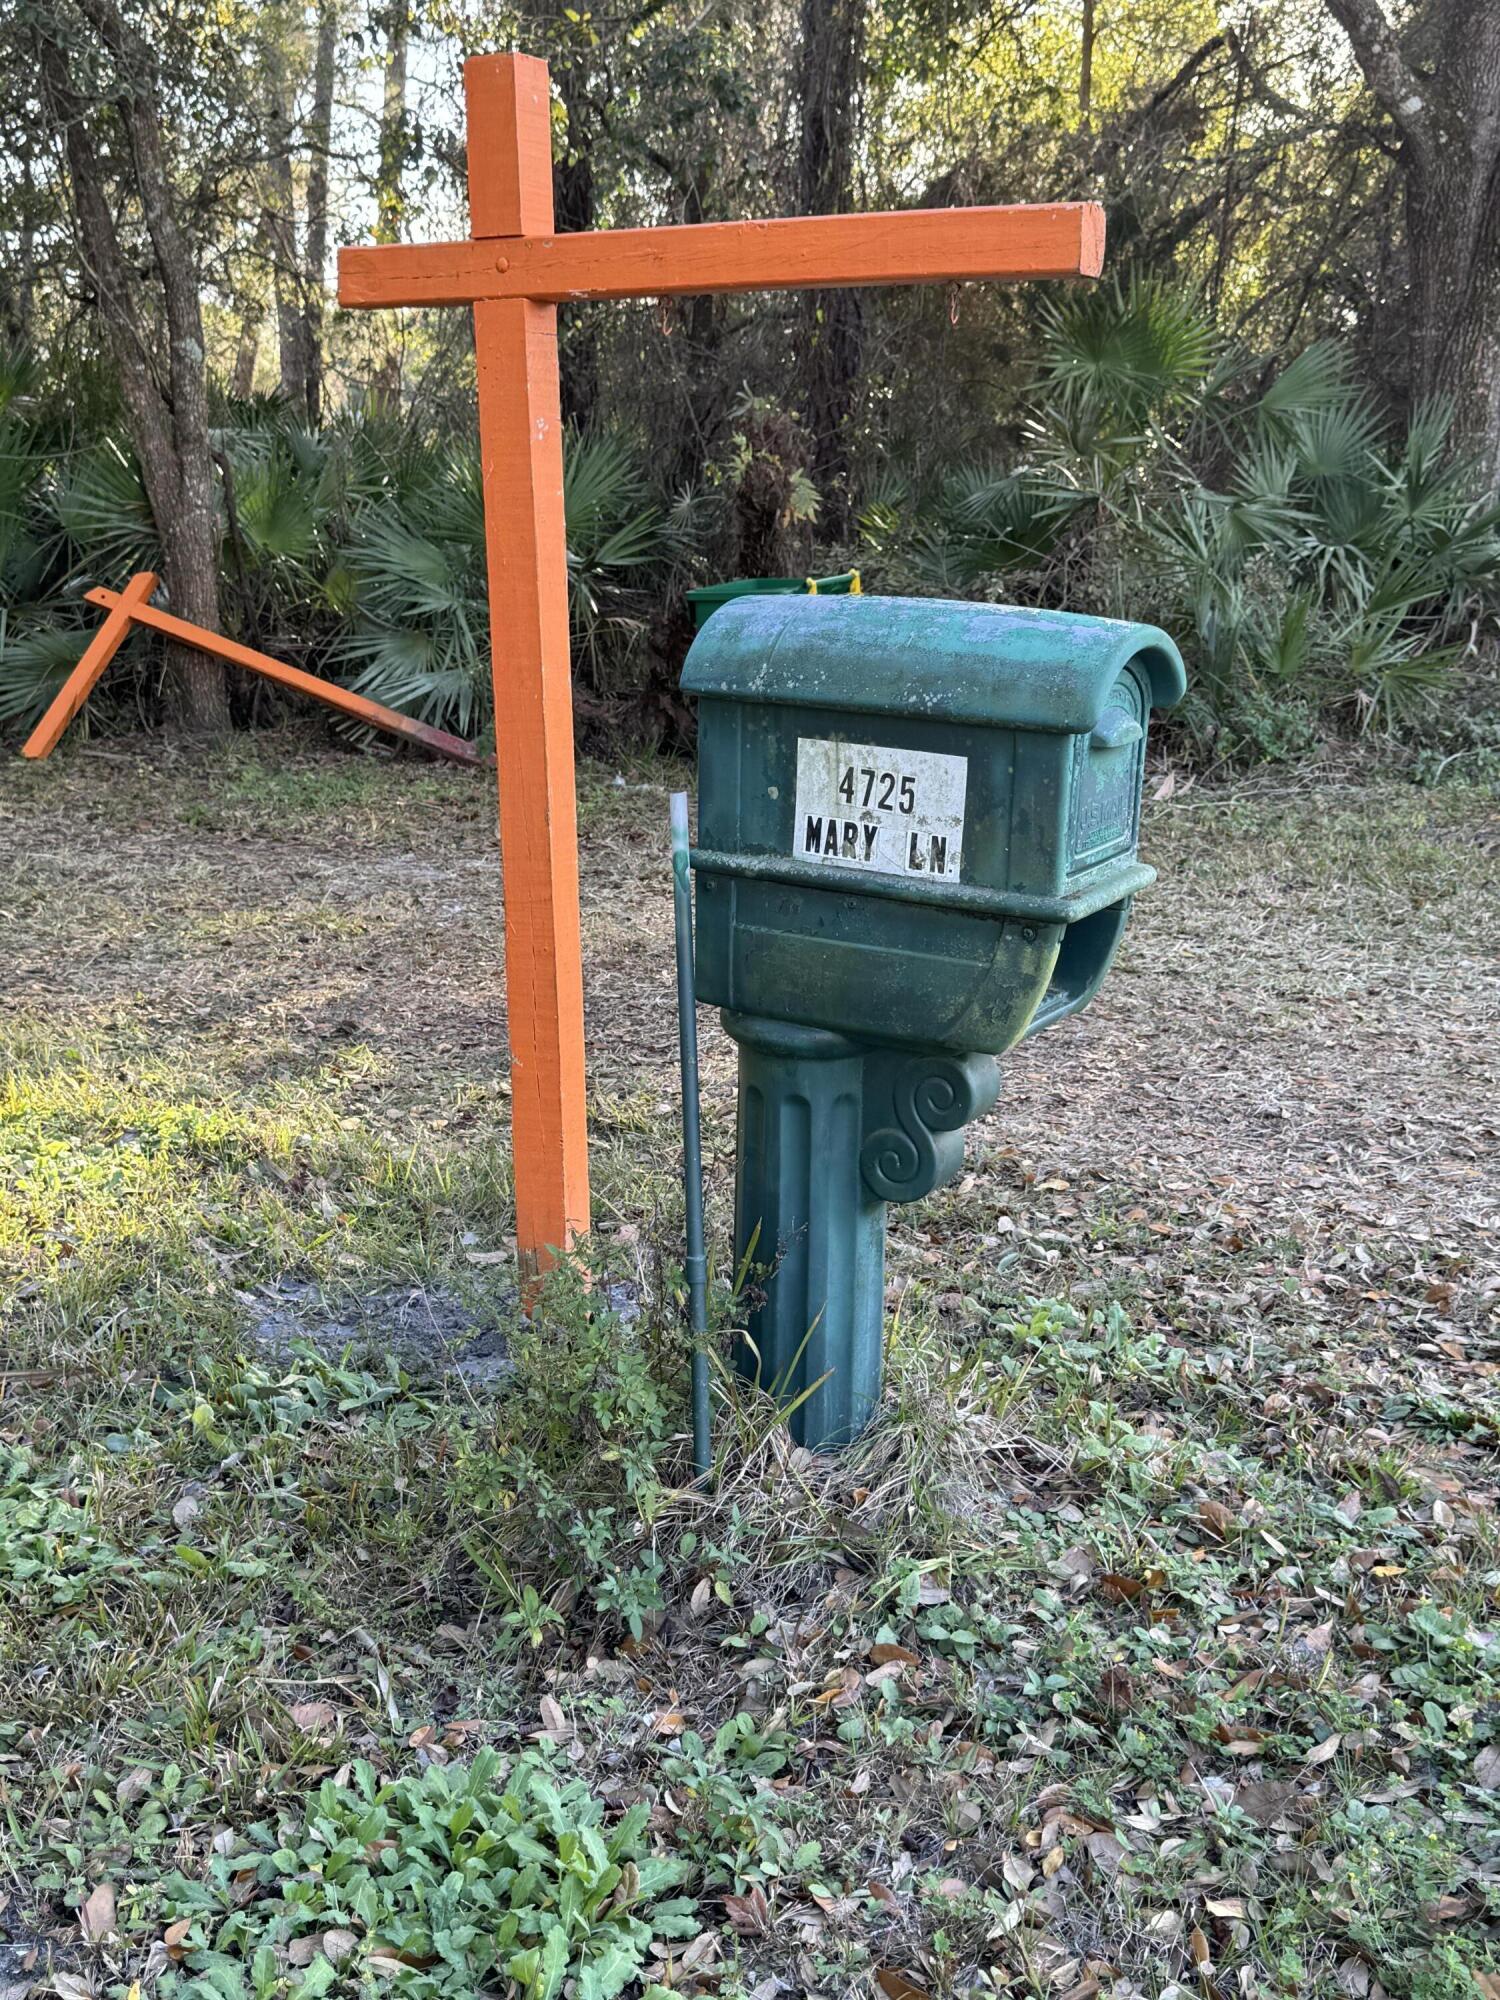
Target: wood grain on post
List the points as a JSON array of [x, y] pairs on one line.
[[97, 655], [521, 451]]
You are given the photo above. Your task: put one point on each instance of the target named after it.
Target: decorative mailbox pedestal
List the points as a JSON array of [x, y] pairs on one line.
[[917, 830]]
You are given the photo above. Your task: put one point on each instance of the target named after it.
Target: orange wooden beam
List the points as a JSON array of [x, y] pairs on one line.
[[97, 655], [375, 713], [520, 441], [906, 247]]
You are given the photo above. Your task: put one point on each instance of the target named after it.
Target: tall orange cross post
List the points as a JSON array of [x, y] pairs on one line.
[[515, 273]]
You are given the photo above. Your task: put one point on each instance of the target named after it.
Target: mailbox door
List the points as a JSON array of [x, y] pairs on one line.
[[1107, 775]]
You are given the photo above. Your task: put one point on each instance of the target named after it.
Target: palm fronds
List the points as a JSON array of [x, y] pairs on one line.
[[1307, 557]]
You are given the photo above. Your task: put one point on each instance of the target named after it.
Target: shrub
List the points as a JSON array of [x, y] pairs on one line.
[[1316, 570]]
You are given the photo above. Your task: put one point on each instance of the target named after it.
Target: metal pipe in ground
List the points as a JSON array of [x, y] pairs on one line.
[[692, 1135]]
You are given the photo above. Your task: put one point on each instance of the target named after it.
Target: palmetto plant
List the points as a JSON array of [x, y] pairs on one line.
[[1308, 561], [981, 521], [358, 548], [419, 636]]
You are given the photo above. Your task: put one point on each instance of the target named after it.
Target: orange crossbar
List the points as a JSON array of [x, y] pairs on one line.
[[129, 607], [907, 247]]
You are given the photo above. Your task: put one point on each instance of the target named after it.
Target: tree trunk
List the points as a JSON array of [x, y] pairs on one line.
[[1086, 65], [319, 139], [247, 348], [703, 334], [1453, 246], [168, 419], [1439, 83], [280, 229], [833, 323], [390, 174], [18, 287], [573, 208]]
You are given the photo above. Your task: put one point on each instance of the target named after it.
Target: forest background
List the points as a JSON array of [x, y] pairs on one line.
[[1274, 428]]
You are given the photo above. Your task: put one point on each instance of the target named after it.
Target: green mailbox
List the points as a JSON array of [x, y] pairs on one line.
[[917, 833]]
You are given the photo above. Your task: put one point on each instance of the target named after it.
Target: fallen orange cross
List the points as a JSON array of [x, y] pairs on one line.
[[130, 606]]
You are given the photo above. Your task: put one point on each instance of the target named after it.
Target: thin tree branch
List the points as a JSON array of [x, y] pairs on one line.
[[1386, 71]]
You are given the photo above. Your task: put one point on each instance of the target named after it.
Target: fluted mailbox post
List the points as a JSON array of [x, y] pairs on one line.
[[917, 831]]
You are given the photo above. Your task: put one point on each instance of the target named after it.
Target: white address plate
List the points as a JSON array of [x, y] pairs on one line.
[[882, 811]]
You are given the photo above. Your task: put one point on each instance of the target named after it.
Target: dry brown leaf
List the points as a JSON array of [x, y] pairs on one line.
[[339, 1945], [97, 1917], [1447, 1909], [315, 1718], [133, 1787], [302, 1951], [1116, 1688], [883, 1655], [749, 1914], [554, 1721], [702, 1950], [1220, 1521], [1116, 1589], [1263, 1799], [1487, 1768], [1017, 1871], [1326, 1750], [1199, 1948], [898, 1985]]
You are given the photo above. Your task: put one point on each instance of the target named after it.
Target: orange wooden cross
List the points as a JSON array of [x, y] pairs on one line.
[[515, 272]]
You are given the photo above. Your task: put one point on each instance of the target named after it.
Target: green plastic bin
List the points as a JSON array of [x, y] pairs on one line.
[[706, 601]]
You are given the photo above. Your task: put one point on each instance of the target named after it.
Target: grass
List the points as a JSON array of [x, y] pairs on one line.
[[1142, 1646]]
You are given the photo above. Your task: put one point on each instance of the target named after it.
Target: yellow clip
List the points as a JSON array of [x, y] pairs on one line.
[[812, 586], [856, 588]]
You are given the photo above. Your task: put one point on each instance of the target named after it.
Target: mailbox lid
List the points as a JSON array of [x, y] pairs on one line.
[[999, 665]]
